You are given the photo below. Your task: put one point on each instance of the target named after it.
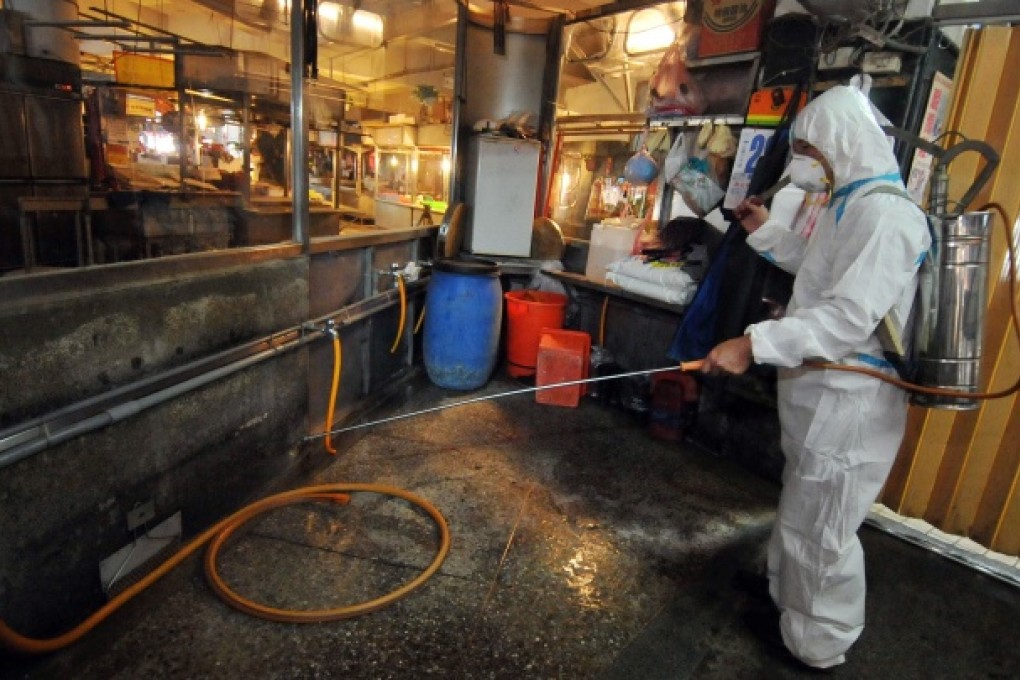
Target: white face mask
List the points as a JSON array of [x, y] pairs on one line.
[[808, 174]]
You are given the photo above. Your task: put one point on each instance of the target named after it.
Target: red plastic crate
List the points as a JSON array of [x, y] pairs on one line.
[[562, 356]]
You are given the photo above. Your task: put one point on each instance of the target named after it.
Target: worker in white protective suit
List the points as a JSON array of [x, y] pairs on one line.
[[840, 431]]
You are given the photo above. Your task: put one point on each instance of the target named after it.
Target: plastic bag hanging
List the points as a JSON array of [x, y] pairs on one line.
[[692, 176], [675, 161], [641, 169], [672, 89]]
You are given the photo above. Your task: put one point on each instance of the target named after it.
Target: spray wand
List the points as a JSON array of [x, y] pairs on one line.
[[685, 366]]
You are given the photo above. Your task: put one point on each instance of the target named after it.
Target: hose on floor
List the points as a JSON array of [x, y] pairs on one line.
[[327, 492], [218, 534]]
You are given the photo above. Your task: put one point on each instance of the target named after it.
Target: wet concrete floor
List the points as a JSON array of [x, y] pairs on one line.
[[581, 548]]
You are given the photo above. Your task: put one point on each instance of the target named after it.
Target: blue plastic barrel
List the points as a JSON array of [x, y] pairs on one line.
[[463, 316]]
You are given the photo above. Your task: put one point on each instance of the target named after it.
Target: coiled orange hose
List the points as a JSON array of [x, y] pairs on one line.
[[219, 533], [333, 492]]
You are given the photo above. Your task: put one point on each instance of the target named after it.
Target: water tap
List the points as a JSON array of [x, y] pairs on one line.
[[409, 271]]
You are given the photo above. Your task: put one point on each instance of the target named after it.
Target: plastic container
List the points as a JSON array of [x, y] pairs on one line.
[[562, 357], [463, 320], [608, 244], [528, 312]]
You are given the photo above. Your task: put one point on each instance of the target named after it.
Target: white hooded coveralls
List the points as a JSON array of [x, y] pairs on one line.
[[840, 431]]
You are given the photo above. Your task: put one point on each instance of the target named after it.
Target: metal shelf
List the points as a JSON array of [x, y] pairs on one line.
[[612, 289], [695, 121]]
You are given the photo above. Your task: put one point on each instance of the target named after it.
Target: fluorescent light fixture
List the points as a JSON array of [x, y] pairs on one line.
[[329, 12], [342, 23], [647, 31], [265, 13], [206, 94]]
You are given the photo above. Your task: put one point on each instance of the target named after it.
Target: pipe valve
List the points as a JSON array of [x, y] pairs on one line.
[[409, 271]]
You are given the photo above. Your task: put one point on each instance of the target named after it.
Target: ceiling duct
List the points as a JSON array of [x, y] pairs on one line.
[[591, 40]]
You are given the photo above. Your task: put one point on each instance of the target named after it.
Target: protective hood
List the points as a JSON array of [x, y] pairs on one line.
[[841, 125]]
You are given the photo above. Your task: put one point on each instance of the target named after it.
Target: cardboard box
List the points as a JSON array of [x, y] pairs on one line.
[[732, 26]]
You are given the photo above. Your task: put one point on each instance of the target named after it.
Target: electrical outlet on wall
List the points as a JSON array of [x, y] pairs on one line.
[[140, 514]]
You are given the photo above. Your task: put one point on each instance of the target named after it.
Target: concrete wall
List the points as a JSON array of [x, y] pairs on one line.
[[65, 509], [205, 453], [66, 347]]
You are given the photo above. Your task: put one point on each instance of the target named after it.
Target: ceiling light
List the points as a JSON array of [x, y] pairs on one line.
[[342, 23], [647, 31], [264, 13]]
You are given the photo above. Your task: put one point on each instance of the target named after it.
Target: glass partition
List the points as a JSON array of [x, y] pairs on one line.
[[394, 180], [322, 164], [432, 179], [152, 153]]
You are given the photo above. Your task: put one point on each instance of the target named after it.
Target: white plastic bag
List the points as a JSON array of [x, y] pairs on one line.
[[675, 161], [700, 192], [693, 177]]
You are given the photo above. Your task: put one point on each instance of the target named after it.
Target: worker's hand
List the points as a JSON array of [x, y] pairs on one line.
[[731, 357], [751, 213]]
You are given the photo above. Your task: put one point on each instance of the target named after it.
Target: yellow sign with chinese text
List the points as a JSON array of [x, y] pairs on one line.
[[143, 69]]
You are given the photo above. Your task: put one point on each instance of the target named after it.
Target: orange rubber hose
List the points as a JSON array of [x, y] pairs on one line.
[[337, 361], [320, 615], [403, 313], [15, 642], [421, 318]]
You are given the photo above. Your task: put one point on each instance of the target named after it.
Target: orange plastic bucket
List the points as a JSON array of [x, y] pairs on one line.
[[527, 313]]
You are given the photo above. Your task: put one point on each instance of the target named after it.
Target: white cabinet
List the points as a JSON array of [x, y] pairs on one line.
[[501, 182]]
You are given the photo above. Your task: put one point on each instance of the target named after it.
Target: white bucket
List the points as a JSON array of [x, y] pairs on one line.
[[608, 244]]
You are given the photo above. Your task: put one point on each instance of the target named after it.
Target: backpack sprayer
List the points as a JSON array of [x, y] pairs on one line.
[[948, 319]]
